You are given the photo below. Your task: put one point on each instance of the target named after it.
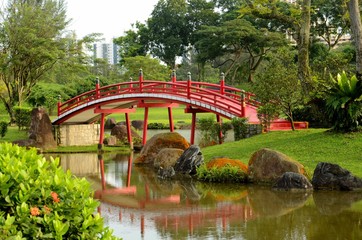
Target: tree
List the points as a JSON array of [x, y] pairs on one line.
[[292, 16], [278, 85], [30, 44], [169, 30], [134, 42], [235, 42], [152, 68], [356, 27]]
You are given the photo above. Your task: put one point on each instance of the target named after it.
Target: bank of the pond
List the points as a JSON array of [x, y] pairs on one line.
[[306, 146]]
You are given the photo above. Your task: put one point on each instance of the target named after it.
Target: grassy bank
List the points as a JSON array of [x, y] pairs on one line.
[[306, 146]]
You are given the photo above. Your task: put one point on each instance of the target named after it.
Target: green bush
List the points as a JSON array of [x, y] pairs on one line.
[[228, 173], [240, 126], [39, 200], [22, 117], [3, 128], [157, 126], [210, 130]]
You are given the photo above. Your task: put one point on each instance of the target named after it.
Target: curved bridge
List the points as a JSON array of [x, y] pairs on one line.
[[125, 97], [222, 100]]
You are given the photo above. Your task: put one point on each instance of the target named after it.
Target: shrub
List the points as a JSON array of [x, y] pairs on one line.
[[223, 174], [240, 128], [22, 117], [39, 200], [3, 128], [210, 130], [157, 126]]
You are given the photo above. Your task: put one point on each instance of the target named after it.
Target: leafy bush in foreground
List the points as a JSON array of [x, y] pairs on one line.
[[39, 200]]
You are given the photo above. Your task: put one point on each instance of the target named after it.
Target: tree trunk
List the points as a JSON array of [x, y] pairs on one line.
[[303, 47], [356, 27]]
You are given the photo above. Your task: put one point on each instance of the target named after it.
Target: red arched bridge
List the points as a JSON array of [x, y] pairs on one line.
[[125, 97]]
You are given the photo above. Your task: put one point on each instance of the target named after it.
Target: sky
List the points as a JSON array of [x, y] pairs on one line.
[[110, 17]]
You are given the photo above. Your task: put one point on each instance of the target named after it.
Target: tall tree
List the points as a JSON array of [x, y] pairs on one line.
[[294, 15], [356, 27], [30, 44], [169, 30]]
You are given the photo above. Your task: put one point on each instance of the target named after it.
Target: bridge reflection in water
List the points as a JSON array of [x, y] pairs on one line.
[[138, 205]]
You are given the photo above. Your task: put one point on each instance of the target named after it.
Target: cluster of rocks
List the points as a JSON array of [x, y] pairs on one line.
[[119, 132], [170, 154]]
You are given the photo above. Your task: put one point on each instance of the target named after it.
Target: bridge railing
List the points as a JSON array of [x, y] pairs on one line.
[[219, 95]]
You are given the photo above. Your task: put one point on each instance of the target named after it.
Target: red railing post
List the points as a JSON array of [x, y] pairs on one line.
[[140, 76], [243, 105], [222, 84], [173, 76], [188, 85], [59, 104], [131, 84], [97, 88]]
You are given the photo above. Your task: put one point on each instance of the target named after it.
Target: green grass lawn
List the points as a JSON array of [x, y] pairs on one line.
[[306, 146]]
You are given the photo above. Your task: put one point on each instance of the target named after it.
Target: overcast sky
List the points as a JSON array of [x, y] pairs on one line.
[[110, 17]]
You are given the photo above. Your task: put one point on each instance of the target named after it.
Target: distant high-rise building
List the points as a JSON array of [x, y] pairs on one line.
[[106, 51]]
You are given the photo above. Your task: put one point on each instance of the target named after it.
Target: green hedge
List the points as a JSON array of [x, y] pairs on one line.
[[22, 117], [39, 200], [3, 128]]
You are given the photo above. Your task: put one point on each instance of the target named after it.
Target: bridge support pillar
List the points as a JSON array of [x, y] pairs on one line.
[[145, 123], [193, 128], [218, 119], [170, 119], [129, 133], [101, 135]]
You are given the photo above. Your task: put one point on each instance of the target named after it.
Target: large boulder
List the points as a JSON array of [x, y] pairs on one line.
[[137, 124], [167, 157], [110, 123], [41, 130], [292, 181], [190, 159], [333, 177], [158, 142], [266, 166]]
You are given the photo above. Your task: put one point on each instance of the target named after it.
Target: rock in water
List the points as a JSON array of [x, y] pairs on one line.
[[159, 142], [332, 177], [291, 180], [190, 159]]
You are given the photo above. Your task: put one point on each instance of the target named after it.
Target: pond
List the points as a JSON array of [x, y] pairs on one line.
[[138, 205]]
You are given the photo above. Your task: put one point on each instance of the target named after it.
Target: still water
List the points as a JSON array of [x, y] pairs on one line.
[[138, 205]]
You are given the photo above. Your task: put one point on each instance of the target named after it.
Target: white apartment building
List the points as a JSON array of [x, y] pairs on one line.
[[107, 51]]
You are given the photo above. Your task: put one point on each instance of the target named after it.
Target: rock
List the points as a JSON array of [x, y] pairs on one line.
[[266, 166], [292, 181], [333, 177], [167, 157], [110, 123], [190, 159], [167, 172], [110, 141], [137, 124], [41, 130], [158, 142], [120, 131]]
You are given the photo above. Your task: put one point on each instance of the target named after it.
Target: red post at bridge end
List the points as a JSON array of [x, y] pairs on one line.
[[59, 104], [140, 78]]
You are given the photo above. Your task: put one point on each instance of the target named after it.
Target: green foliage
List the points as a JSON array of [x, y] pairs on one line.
[[210, 131], [223, 174], [152, 68], [3, 128], [157, 126], [240, 128], [344, 103], [22, 117], [39, 200], [31, 44], [266, 114], [47, 95]]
